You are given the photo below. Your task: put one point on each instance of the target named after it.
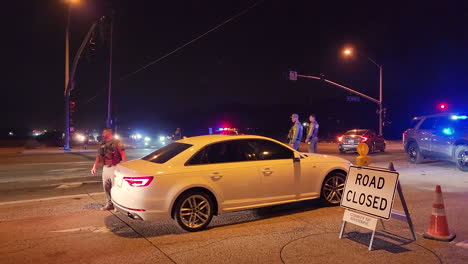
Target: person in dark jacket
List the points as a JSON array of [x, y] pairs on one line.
[[312, 134]]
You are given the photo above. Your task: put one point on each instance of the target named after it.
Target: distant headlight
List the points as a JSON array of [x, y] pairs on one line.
[[147, 139], [162, 138]]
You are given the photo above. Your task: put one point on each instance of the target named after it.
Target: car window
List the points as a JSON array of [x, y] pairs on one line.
[[414, 122], [223, 152], [428, 123], [269, 150], [166, 153], [356, 132]]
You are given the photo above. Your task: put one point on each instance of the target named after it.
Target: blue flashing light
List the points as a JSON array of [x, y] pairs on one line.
[[456, 117], [448, 131], [220, 129]]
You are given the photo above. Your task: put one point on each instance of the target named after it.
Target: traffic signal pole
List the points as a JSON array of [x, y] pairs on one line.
[[293, 77], [70, 83]]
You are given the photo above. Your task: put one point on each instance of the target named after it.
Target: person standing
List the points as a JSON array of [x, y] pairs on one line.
[[295, 132], [312, 134], [177, 134], [111, 152], [86, 139]]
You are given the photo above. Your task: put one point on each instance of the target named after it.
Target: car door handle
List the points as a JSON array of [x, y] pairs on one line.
[[216, 176], [267, 172]]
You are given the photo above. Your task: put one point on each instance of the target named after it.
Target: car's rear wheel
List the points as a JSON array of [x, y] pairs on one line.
[[372, 148], [414, 154], [332, 188], [194, 211], [383, 147], [461, 153]]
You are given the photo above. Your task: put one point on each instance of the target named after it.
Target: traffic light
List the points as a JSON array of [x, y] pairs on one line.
[[72, 106], [442, 106]]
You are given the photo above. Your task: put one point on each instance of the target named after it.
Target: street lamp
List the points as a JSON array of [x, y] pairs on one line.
[[349, 52]]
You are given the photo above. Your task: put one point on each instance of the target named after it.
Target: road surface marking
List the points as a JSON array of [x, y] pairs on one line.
[[69, 185], [92, 229], [463, 244], [50, 198]]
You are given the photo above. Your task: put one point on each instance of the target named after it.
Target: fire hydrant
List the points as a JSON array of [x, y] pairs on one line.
[[363, 159]]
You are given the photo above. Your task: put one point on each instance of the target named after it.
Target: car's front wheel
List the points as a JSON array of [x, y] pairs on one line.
[[461, 154], [333, 187], [194, 211], [414, 154]]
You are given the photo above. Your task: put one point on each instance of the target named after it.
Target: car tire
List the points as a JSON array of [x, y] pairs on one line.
[[342, 151], [332, 188], [414, 154], [194, 211], [372, 148], [383, 147], [461, 156]]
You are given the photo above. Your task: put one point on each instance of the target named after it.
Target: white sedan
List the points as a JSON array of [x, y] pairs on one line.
[[195, 178]]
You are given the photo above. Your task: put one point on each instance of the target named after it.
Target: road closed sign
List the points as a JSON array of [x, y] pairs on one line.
[[370, 190]]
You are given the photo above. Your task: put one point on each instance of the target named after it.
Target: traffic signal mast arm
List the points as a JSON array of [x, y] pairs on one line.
[[341, 86]]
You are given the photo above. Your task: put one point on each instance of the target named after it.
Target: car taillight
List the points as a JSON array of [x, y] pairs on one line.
[[139, 181], [340, 139], [364, 139]]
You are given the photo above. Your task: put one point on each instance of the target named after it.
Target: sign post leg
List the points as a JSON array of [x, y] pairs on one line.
[[381, 222], [405, 208], [342, 229], [372, 240]]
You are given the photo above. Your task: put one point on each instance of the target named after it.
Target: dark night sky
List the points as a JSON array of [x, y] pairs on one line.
[[236, 74]]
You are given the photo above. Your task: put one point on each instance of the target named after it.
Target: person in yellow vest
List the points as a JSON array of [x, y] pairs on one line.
[[295, 132]]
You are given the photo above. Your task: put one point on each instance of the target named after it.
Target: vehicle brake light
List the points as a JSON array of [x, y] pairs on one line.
[[139, 181], [340, 139], [364, 139]]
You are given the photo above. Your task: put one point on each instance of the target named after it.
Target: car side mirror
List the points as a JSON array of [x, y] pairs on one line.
[[297, 157]]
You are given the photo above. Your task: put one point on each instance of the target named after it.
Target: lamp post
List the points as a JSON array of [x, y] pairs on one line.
[[349, 52]]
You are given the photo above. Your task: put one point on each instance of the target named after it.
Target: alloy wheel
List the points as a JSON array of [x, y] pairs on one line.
[[333, 189], [195, 211], [463, 159]]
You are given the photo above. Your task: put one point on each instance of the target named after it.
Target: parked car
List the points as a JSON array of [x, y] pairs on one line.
[[438, 137], [193, 179], [351, 139]]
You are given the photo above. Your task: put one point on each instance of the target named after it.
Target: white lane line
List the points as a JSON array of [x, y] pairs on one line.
[[92, 229], [69, 184], [44, 178], [50, 198]]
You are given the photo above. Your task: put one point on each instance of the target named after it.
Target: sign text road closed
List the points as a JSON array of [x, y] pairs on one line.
[[370, 190]]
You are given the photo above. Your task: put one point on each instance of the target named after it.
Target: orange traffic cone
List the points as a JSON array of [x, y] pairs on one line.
[[438, 226]]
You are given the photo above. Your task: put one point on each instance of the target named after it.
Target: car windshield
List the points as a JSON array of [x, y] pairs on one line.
[[356, 132], [166, 153]]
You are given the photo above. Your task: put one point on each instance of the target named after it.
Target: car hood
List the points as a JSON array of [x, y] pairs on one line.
[[324, 158]]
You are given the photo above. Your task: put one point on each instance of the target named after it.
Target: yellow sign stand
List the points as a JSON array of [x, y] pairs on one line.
[[363, 159]]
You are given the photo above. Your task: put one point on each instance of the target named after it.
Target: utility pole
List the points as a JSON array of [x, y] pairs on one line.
[[109, 95], [66, 146], [381, 101]]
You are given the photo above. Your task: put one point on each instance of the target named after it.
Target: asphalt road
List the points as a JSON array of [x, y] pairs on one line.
[[71, 229]]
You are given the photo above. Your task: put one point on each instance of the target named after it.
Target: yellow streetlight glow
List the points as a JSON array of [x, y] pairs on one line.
[[347, 52]]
